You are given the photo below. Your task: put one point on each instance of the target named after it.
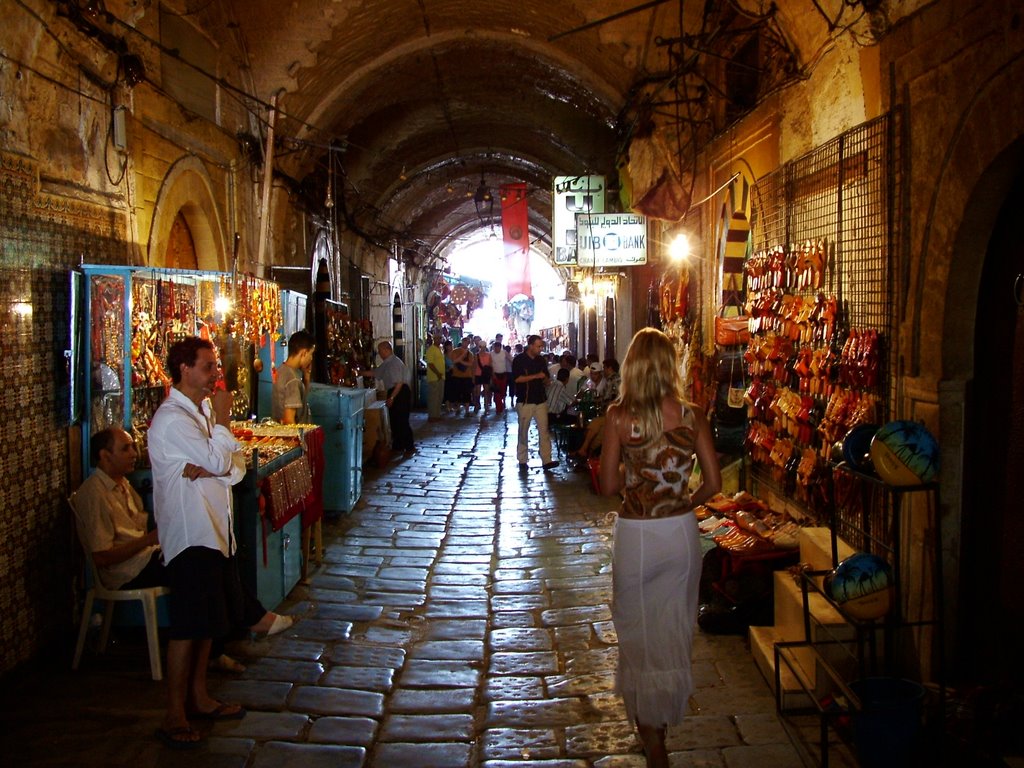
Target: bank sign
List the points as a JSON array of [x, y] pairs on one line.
[[611, 239], [572, 195]]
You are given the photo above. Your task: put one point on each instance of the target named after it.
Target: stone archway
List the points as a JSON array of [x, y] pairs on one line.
[[188, 190], [984, 158]]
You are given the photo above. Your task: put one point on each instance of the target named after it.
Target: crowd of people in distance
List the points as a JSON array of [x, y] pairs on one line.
[[473, 376]]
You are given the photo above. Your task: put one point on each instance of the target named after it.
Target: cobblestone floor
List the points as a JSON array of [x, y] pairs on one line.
[[460, 619]]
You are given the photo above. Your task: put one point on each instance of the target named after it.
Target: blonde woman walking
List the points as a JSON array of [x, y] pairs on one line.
[[656, 558]]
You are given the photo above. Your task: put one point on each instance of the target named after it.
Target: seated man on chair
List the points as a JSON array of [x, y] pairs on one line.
[[112, 525], [110, 519]]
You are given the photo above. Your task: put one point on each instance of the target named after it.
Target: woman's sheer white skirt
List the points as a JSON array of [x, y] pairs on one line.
[[655, 576]]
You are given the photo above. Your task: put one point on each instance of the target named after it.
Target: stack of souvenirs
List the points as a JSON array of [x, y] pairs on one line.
[[268, 441], [349, 346], [745, 525]]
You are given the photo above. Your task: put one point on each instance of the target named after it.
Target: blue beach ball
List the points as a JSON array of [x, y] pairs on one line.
[[862, 586], [905, 453]]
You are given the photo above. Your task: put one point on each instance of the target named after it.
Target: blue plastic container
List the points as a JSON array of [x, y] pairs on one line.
[[885, 731]]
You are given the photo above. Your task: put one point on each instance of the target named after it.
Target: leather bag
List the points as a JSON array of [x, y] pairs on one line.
[[732, 328], [732, 331]]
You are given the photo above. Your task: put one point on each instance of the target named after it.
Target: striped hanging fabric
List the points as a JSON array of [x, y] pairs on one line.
[[735, 245], [396, 317]]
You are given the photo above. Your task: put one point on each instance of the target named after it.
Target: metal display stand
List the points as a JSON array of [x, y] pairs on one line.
[[836, 656]]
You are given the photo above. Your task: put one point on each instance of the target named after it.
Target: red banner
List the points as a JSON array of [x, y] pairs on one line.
[[515, 232]]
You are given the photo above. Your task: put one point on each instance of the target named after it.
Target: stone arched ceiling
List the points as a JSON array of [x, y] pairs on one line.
[[419, 96]]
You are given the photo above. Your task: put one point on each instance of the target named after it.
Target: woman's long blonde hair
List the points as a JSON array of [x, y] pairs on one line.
[[650, 372]]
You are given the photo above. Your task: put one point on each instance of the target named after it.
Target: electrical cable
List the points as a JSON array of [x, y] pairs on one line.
[[106, 154]]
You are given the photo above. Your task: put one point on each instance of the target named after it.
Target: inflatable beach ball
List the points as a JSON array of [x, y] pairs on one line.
[[857, 445], [905, 453], [862, 586]]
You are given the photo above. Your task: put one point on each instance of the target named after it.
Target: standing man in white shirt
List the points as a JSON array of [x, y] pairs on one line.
[[501, 363], [194, 520], [393, 374]]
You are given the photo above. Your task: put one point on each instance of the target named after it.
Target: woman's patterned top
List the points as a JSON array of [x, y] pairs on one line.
[[658, 471]]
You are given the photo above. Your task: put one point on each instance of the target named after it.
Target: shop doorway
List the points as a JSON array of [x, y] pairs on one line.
[[181, 247], [991, 614]]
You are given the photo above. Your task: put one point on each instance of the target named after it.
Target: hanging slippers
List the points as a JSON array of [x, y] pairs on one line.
[[182, 737]]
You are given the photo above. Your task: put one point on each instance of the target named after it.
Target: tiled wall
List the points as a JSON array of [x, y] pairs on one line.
[[42, 237]]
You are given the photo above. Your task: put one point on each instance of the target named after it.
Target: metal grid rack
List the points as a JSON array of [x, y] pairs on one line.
[[845, 192]]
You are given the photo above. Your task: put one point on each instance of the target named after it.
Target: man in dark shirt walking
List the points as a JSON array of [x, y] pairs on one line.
[[530, 375]]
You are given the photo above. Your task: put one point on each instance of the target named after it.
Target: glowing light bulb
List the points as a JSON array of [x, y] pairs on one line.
[[222, 305], [679, 250]]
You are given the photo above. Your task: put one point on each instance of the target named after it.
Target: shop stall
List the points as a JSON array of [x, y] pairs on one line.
[[131, 317], [339, 405], [283, 484], [274, 351]]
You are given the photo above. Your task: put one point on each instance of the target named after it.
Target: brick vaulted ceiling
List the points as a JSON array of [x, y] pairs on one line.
[[442, 91]]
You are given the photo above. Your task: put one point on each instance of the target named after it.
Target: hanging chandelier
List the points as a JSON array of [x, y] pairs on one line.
[[484, 202]]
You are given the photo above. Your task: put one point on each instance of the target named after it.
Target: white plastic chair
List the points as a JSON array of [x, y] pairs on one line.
[[147, 596]]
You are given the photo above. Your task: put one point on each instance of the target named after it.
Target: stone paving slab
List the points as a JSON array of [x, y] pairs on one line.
[[537, 712], [703, 731], [253, 694], [456, 629], [458, 592], [286, 670], [579, 685], [283, 755], [428, 728], [451, 755], [266, 725], [504, 688], [360, 678], [360, 655], [761, 756], [301, 650], [523, 663], [427, 673], [471, 650], [520, 743], [467, 609], [518, 587], [520, 638], [432, 701], [599, 739], [336, 701], [528, 763], [350, 613], [357, 731], [323, 630], [513, 619]]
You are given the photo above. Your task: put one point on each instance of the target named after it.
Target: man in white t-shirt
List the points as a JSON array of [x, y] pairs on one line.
[[501, 364]]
